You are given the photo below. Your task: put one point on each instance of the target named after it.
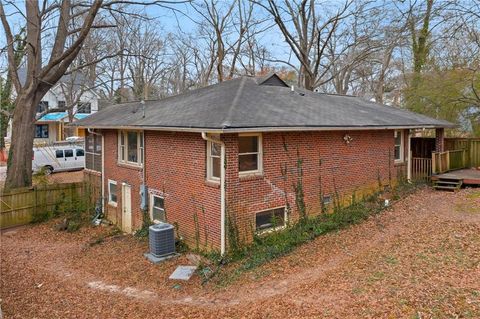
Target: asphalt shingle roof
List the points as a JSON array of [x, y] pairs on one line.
[[260, 104]]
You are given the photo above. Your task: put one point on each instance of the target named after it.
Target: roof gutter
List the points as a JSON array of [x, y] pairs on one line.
[[222, 190], [265, 129]]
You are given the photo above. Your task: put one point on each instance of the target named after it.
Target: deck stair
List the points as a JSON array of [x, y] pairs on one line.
[[447, 184]]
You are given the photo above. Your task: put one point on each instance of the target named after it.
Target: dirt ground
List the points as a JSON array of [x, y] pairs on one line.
[[418, 259], [66, 177], [61, 177]]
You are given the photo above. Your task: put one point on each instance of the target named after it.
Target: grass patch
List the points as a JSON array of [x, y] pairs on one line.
[[474, 195]]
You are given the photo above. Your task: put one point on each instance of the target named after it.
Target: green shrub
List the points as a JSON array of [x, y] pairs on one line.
[[146, 223], [41, 216]]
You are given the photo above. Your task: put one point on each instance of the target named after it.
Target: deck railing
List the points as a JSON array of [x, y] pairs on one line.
[[446, 161], [421, 169]]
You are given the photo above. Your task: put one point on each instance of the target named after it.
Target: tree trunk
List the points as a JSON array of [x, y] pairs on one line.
[[3, 129], [19, 170]]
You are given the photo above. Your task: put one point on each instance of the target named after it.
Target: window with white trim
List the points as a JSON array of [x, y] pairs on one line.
[[249, 153], [214, 159], [270, 219], [130, 147], [112, 192], [398, 152], [157, 209]]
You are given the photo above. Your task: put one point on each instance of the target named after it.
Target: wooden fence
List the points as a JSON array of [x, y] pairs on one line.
[[421, 169], [471, 145], [449, 160], [474, 150], [19, 206]]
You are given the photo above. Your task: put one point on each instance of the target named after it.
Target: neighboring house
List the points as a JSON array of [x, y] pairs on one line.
[[50, 126], [272, 140]]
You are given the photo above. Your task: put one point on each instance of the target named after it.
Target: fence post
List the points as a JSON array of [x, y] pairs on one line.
[[448, 161], [434, 166], [35, 200]]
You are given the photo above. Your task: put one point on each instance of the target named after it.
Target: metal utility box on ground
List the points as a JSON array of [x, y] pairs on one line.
[[161, 239]]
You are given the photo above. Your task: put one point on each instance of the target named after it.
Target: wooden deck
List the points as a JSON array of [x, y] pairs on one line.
[[467, 176]]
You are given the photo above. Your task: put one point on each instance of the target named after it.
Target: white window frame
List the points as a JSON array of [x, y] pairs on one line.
[[110, 202], [268, 230], [259, 169], [402, 146], [210, 176], [152, 196], [123, 149]]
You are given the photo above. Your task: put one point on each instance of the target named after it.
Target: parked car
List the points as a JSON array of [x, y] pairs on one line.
[[58, 158]]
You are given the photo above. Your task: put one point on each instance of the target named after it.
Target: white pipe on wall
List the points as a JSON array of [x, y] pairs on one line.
[[222, 190], [409, 156]]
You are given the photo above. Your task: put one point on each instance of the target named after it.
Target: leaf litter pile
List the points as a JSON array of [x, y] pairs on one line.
[[418, 259]]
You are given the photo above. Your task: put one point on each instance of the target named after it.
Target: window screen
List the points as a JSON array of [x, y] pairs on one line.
[[248, 153], [270, 219], [158, 208], [112, 192], [132, 140]]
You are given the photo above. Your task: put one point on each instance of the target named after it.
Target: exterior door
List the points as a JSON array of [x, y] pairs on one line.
[[69, 159], [126, 208]]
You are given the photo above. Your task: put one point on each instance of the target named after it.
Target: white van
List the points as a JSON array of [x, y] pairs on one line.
[[58, 158]]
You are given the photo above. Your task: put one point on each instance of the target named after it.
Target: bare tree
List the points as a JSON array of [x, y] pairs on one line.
[[308, 34], [6, 90], [353, 45], [52, 18], [217, 16], [147, 61]]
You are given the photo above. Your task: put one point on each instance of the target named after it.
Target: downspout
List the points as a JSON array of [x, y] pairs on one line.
[[409, 156], [222, 190], [91, 131]]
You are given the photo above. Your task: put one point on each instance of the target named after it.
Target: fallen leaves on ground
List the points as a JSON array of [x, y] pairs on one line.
[[420, 258]]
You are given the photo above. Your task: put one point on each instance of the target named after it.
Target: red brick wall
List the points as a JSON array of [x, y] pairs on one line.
[[175, 170], [348, 168], [121, 174]]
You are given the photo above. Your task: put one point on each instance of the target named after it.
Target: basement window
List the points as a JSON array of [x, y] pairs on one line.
[[249, 154], [327, 199], [270, 219], [130, 147], [157, 209], [398, 152], [112, 192]]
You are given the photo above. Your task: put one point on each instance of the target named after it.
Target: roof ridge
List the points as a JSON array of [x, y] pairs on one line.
[[226, 123]]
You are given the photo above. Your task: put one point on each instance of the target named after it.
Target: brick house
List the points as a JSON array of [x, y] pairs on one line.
[[276, 144]]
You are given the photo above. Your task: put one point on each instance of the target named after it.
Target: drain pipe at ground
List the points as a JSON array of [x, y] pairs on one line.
[[222, 190]]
